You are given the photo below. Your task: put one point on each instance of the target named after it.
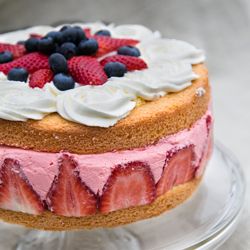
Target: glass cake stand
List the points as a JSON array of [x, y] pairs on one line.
[[205, 221]]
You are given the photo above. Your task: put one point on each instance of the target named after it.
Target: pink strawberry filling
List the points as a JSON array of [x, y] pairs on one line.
[[159, 167]]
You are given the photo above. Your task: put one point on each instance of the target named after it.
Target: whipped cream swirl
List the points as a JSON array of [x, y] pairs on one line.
[[19, 102], [95, 105], [160, 78]]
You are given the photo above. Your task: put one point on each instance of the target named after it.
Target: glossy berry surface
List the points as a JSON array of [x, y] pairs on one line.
[[115, 69], [69, 34], [63, 81], [18, 74], [57, 36], [129, 51], [81, 36], [68, 50], [31, 44], [102, 33], [5, 57], [46, 45], [88, 47], [58, 63]]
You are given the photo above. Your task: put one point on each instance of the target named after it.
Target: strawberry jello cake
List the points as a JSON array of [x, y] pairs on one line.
[[100, 125]]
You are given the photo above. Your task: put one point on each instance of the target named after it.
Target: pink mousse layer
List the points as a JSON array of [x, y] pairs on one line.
[[40, 167]]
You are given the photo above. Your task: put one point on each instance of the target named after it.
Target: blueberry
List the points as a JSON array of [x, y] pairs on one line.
[[68, 50], [31, 44], [81, 36], [58, 63], [18, 74], [129, 51], [21, 42], [63, 81], [115, 69], [69, 34], [5, 57], [103, 33], [57, 36], [46, 45], [88, 47]]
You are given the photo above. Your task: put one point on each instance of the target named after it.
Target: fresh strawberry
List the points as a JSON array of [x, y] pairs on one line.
[[17, 50], [87, 32], [69, 195], [130, 184], [16, 193], [131, 62], [178, 169], [36, 36], [208, 149], [86, 70], [31, 62], [108, 44], [40, 78]]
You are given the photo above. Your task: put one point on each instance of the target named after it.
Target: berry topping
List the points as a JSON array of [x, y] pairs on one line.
[[18, 74], [87, 32], [5, 57], [17, 50], [102, 33], [31, 62], [108, 44], [179, 168], [63, 81], [88, 47], [16, 193], [81, 36], [115, 69], [69, 195], [130, 184], [46, 45], [86, 70], [57, 36], [31, 44], [36, 36], [40, 78], [68, 50], [129, 51], [69, 34], [132, 63], [21, 42], [58, 63]]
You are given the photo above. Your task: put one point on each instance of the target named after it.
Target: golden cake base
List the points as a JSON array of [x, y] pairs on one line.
[[53, 222]]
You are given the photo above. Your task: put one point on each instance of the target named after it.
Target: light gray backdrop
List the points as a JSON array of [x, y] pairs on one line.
[[221, 28]]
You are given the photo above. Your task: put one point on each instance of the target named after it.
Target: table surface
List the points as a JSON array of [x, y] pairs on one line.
[[221, 28]]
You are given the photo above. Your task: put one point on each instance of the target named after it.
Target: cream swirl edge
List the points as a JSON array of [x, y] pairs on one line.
[[169, 70]]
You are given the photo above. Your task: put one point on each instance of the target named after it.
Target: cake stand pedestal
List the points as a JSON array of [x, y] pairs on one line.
[[205, 221]]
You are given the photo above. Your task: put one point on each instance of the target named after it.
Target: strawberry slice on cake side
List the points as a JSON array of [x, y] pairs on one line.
[[16, 193], [69, 195], [130, 184]]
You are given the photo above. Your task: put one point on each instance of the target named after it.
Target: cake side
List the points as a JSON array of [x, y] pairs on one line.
[[167, 115]]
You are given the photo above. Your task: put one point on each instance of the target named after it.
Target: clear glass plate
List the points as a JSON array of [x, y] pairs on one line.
[[205, 221]]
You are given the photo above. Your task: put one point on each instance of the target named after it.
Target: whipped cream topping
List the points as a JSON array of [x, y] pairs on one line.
[[90, 105], [169, 70], [19, 102]]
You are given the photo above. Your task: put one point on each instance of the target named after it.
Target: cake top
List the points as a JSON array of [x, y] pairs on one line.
[[162, 66]]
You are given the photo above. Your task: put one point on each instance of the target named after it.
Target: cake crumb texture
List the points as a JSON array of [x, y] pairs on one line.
[[53, 222]]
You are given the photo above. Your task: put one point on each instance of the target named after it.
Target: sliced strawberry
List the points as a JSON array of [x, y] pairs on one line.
[[17, 50], [108, 44], [31, 62], [69, 195], [87, 32], [16, 193], [40, 78], [131, 62], [86, 70], [178, 169], [130, 184], [36, 36]]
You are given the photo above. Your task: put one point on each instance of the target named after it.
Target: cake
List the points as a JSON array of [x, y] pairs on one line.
[[110, 149]]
